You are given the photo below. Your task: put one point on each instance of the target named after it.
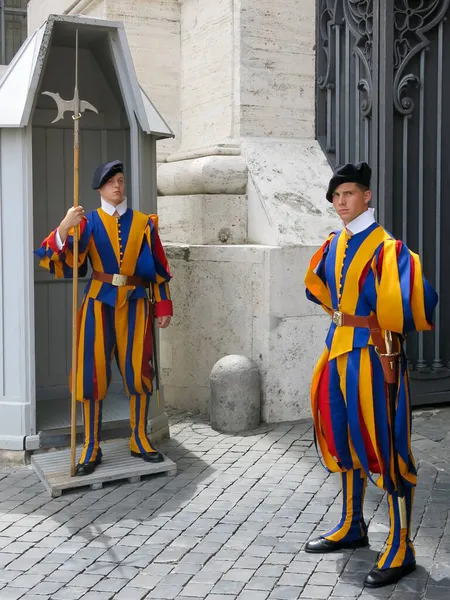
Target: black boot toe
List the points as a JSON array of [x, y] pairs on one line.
[[323, 546], [150, 457], [380, 577], [89, 467]]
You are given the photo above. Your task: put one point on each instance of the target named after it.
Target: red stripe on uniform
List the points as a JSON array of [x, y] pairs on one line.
[[364, 274], [324, 410], [158, 250], [380, 262], [371, 455]]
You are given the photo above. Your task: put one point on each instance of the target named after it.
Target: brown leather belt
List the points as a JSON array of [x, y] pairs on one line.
[[118, 279], [341, 319]]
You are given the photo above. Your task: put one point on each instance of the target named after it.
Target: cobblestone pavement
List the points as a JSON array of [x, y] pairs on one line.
[[231, 524]]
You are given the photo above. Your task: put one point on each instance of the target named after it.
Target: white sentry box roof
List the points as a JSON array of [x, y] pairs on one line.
[[20, 82]]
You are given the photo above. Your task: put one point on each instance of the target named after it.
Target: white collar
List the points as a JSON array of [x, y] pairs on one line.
[[110, 209], [361, 223]]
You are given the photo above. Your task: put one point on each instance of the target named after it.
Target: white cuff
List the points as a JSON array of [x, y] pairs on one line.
[[58, 240]]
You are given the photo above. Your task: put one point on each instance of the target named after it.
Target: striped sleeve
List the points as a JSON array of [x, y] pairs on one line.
[[60, 262], [161, 290], [405, 301], [315, 279]]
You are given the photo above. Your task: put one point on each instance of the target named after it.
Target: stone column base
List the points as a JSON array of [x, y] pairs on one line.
[[247, 300], [203, 219]]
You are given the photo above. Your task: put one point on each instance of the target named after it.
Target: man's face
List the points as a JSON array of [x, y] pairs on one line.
[[113, 191], [350, 201]]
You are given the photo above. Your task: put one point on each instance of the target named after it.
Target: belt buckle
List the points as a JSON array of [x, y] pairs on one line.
[[119, 280], [337, 318]]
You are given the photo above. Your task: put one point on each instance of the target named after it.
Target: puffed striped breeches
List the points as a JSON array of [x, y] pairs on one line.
[[353, 427], [123, 332], [106, 331]]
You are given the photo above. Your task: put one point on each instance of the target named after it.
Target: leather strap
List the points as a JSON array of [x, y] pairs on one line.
[[354, 321], [371, 322], [118, 280]]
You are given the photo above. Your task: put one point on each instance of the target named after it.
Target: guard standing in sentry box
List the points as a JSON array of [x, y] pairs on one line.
[[115, 319], [373, 288]]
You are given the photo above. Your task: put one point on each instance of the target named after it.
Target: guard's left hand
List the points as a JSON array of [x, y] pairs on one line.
[[163, 322]]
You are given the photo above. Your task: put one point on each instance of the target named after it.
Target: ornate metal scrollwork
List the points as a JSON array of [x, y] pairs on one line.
[[365, 85], [359, 17], [412, 20], [328, 18]]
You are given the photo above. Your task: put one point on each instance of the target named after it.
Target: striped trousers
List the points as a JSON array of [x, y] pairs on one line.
[[399, 550], [124, 333], [353, 425]]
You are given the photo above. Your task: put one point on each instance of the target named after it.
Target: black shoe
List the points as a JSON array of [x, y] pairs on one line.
[[89, 467], [151, 457], [323, 546], [381, 577]]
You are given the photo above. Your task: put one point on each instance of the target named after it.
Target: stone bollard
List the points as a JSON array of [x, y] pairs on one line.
[[235, 395]]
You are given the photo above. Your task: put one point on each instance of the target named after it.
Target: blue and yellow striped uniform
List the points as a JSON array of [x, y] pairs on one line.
[[364, 274], [114, 321]]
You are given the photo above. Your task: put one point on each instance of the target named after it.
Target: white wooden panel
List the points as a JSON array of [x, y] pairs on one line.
[[16, 393]]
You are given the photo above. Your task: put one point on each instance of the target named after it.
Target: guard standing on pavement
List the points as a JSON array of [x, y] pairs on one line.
[[373, 288], [128, 264]]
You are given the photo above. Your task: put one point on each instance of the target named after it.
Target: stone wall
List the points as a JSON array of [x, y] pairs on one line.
[[286, 196], [247, 88], [247, 69], [277, 68], [153, 33], [38, 11], [203, 219], [208, 40], [246, 300]]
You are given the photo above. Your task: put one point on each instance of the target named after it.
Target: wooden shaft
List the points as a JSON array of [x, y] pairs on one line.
[[73, 431]]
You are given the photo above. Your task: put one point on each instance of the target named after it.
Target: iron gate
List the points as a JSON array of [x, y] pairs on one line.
[[383, 95]]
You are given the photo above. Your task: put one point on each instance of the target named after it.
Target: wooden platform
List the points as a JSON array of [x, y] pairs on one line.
[[53, 468]]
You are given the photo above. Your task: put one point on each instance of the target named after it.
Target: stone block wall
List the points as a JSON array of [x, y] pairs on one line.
[[38, 11], [208, 92], [277, 68], [153, 33], [247, 300]]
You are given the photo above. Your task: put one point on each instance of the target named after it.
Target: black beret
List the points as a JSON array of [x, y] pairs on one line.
[[103, 173], [350, 173]]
